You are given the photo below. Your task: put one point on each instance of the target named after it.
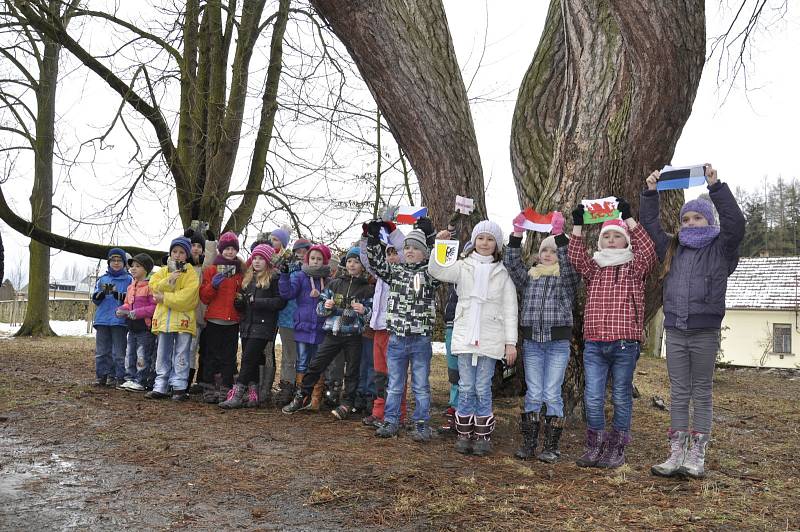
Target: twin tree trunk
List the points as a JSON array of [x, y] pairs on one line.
[[603, 103]]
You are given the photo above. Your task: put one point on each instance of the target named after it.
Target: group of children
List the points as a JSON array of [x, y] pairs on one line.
[[377, 314]]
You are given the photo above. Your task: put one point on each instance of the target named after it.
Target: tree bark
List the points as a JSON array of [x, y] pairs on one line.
[[603, 103], [404, 52]]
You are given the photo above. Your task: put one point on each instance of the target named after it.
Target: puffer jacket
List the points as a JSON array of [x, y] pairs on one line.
[[296, 287], [139, 299], [107, 304], [498, 313], [176, 313], [380, 300], [287, 315], [694, 289], [259, 308], [219, 301], [341, 320]]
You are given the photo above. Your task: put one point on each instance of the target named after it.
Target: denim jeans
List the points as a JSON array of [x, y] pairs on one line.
[[366, 380], [619, 359], [139, 357], [417, 350], [172, 361], [452, 368], [193, 357], [109, 351], [305, 352], [545, 363], [475, 385]]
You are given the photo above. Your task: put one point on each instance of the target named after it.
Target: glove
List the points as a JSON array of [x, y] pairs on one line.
[[121, 297], [99, 296], [132, 315], [558, 223], [454, 219], [284, 267], [374, 228], [577, 215], [210, 235], [624, 208], [518, 221], [239, 302], [188, 232], [121, 312], [425, 225], [389, 226], [217, 280]]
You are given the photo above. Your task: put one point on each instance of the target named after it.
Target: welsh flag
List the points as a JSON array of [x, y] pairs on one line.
[[542, 223], [409, 215]]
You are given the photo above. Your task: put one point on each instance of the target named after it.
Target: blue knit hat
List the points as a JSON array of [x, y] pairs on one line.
[[117, 252], [183, 242], [282, 235], [354, 251]]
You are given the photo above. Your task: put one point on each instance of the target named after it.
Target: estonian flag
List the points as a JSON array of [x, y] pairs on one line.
[[678, 177], [409, 215]]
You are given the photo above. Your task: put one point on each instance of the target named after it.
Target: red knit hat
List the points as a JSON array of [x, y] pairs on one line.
[[227, 240], [322, 248], [265, 251]]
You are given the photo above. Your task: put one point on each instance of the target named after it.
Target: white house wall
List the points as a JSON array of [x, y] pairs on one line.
[[747, 333]]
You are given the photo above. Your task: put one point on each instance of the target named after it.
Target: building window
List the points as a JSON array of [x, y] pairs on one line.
[[781, 338]]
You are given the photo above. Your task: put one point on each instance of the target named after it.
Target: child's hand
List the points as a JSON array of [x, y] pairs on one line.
[[357, 307], [652, 179], [173, 277], [314, 293], [511, 354], [558, 223], [158, 297], [329, 303], [443, 235], [711, 174]]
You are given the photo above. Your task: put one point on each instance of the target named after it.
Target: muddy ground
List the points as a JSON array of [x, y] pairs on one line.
[[76, 457]]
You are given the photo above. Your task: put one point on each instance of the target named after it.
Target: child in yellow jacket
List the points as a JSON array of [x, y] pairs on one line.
[[175, 289]]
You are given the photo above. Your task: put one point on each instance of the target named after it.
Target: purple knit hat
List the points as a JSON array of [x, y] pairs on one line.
[[701, 206]]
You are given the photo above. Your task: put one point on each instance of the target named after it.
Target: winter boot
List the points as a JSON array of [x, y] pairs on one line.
[[210, 394], [341, 412], [553, 426], [388, 430], [465, 425], [316, 395], [180, 395], [285, 392], [333, 393], [694, 465], [448, 426], [484, 426], [264, 386], [422, 432], [594, 448], [300, 402], [529, 427], [251, 398], [152, 394], [678, 445], [235, 396], [614, 453]]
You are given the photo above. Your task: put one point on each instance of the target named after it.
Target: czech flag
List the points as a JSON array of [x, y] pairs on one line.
[[409, 215], [678, 177], [542, 223]]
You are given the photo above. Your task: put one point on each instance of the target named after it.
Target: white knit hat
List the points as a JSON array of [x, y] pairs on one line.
[[549, 242], [491, 228]]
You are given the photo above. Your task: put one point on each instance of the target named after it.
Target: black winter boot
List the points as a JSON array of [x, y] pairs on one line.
[[484, 426], [300, 402], [529, 427], [553, 426]]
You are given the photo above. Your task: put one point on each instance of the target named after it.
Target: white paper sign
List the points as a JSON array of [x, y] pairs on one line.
[[465, 205]]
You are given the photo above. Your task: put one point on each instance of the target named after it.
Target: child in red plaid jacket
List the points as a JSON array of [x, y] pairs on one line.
[[613, 320]]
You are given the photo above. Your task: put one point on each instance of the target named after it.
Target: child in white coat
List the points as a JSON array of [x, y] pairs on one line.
[[484, 331]]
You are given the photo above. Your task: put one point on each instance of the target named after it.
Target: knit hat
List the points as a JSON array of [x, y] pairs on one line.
[[228, 240], [144, 260], [265, 251], [354, 251], [116, 252], [548, 243], [301, 243], [417, 239], [184, 243], [701, 206], [491, 228], [195, 237], [282, 235], [322, 248], [614, 225]]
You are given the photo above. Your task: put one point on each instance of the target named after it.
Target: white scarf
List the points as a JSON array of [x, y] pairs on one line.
[[483, 266], [613, 257]]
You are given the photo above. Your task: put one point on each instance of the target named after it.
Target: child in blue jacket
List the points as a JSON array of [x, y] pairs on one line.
[[111, 331]]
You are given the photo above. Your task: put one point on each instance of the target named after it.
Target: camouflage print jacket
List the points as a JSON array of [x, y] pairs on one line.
[[412, 290]]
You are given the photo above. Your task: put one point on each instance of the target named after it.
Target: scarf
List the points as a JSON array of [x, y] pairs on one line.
[[116, 273], [483, 267], [316, 272], [613, 257], [220, 260], [542, 270], [698, 237]]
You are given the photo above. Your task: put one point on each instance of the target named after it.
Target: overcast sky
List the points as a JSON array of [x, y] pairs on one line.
[[750, 136]]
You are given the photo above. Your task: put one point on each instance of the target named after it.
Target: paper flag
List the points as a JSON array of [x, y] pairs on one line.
[[409, 215], [600, 210], [537, 222], [678, 177], [464, 205]]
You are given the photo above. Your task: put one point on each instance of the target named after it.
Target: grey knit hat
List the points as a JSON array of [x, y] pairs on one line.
[[416, 239]]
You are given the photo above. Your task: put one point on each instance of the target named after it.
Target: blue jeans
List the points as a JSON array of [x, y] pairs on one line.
[[475, 385], [305, 352], [452, 368], [109, 351], [366, 379], [545, 363], [417, 350], [619, 359], [139, 357], [172, 361]]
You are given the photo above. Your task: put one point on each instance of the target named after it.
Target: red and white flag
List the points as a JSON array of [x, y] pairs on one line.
[[409, 215], [543, 223]]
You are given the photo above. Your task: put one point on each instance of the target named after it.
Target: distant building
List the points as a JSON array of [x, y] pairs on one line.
[[7, 292], [65, 289], [762, 325]]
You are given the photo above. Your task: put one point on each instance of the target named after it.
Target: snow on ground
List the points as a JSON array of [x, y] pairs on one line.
[[61, 328]]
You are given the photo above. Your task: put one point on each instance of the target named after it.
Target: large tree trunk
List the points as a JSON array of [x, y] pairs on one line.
[[37, 315], [602, 104], [404, 52]]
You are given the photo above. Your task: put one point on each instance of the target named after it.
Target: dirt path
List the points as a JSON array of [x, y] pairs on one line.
[[72, 456]]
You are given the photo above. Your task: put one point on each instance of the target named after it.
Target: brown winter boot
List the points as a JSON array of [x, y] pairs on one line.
[[316, 394]]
